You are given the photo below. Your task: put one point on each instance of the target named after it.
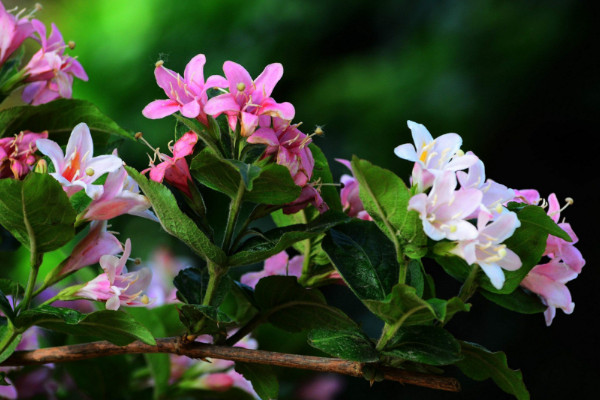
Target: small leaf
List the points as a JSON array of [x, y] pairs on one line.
[[262, 378], [37, 206], [480, 364], [174, 221], [200, 319], [115, 326], [519, 301], [6, 307], [248, 172], [347, 344], [191, 284], [216, 173], [364, 257], [424, 344]]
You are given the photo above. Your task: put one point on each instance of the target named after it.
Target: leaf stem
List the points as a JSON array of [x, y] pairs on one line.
[[470, 286], [389, 330]]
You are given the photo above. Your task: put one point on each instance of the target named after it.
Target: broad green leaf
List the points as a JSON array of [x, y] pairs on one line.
[[174, 221], [480, 364], [364, 257], [191, 284], [415, 276], [287, 305], [424, 344], [216, 173], [537, 217], [239, 303], [274, 186], [519, 301], [262, 378], [322, 173], [200, 319], [347, 344], [276, 240], [37, 206], [117, 327], [59, 117], [5, 334]]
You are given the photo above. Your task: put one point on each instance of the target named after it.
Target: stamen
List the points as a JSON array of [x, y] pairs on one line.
[[89, 171], [241, 87], [159, 64]]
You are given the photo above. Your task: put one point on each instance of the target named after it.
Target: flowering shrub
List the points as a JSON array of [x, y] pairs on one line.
[[234, 138]]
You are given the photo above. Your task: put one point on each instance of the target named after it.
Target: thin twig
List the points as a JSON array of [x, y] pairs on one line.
[[200, 350]]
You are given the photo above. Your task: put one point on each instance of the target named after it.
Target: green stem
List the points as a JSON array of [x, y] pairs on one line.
[[35, 259], [234, 210], [216, 272], [390, 330], [403, 270], [470, 286], [8, 339]]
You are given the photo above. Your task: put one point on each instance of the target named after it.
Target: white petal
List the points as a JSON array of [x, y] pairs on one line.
[[494, 272]]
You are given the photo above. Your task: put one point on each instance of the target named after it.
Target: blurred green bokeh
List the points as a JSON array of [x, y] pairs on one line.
[[515, 79]]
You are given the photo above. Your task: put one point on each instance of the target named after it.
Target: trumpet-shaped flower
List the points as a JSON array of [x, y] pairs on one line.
[[186, 95], [17, 154], [50, 70], [175, 170], [247, 100], [559, 248], [121, 195], [279, 264], [13, 31], [116, 286], [487, 250], [443, 210], [78, 169], [432, 156], [495, 195], [350, 195]]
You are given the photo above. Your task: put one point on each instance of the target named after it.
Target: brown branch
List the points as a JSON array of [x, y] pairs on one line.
[[200, 350]]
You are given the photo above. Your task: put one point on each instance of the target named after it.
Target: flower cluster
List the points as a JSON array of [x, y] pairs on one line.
[[49, 73], [17, 154]]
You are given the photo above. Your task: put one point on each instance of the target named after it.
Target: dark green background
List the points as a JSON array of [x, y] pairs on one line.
[[517, 80]]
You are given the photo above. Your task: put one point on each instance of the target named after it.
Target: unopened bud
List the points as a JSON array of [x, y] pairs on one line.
[[138, 135], [71, 44], [89, 171], [41, 167], [159, 63], [241, 86]]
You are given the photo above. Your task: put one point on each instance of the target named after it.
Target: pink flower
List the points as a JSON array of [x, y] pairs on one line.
[[247, 100], [527, 196], [13, 31], [97, 243], [50, 70], [350, 195], [116, 286], [288, 145], [486, 249], [443, 210], [186, 95], [279, 264], [121, 195], [17, 154], [432, 156], [175, 170], [308, 195], [78, 169]]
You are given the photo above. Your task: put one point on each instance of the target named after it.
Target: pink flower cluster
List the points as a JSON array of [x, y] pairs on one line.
[[17, 154], [565, 263], [248, 105]]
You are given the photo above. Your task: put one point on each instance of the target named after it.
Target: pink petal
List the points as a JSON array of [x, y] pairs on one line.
[[221, 104], [282, 110], [264, 136], [406, 152], [277, 263], [235, 75], [215, 81], [266, 81], [185, 145], [80, 142], [194, 74], [160, 109], [249, 123], [191, 109], [53, 151]]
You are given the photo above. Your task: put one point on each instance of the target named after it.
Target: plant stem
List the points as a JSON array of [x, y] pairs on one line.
[[234, 210], [470, 286], [216, 272], [8, 339], [200, 350], [35, 260], [389, 330]]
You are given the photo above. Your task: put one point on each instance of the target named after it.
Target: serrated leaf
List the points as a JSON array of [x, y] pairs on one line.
[[480, 364], [38, 206], [264, 382], [117, 327], [174, 221], [347, 344], [322, 173], [364, 257], [430, 345]]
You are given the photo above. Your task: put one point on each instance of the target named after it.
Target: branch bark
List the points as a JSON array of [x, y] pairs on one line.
[[174, 345]]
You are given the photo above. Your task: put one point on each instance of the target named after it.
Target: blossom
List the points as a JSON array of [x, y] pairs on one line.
[[350, 195], [279, 264], [308, 195], [494, 194], [50, 70], [116, 286], [527, 196], [443, 210], [175, 170], [486, 249], [560, 248], [186, 95], [78, 169], [432, 156], [17, 154], [13, 31], [247, 100], [121, 195]]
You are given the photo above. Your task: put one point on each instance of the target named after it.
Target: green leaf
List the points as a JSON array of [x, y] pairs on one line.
[[174, 221], [537, 217], [262, 378], [5, 334], [115, 326], [59, 117], [364, 257], [216, 173], [239, 303], [322, 173], [207, 135], [415, 276], [37, 207], [252, 152], [273, 186], [289, 306], [519, 301], [191, 284], [347, 344], [424, 344], [276, 240], [12, 288], [200, 319], [6, 307], [480, 364], [248, 172]]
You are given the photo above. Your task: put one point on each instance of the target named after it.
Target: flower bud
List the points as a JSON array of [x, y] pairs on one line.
[[41, 167]]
